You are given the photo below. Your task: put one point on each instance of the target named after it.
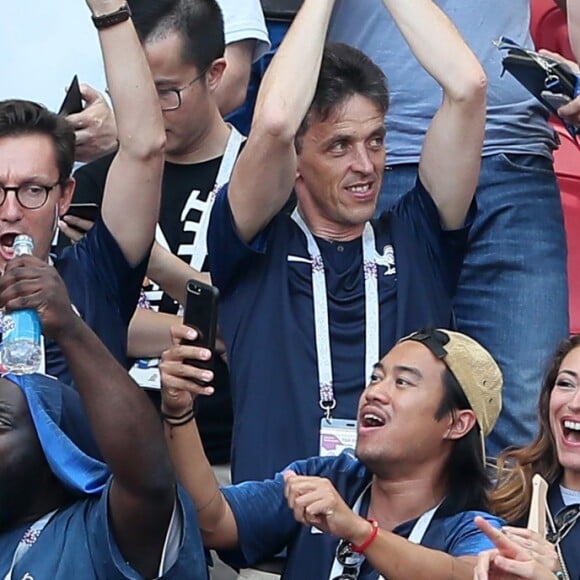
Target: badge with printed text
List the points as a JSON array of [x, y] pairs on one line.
[[145, 372], [336, 436]]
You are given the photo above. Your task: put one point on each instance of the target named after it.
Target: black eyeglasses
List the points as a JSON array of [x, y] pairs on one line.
[[28, 195], [350, 561], [170, 99], [564, 522]]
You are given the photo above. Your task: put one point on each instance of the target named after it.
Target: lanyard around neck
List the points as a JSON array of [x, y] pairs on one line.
[[327, 398], [29, 538], [416, 535], [199, 251]]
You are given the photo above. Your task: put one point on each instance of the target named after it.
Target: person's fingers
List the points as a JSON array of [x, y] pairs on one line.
[[180, 332], [185, 352], [481, 571], [540, 548], [571, 112], [519, 569], [89, 94], [175, 375], [78, 223], [559, 58], [71, 233], [506, 546], [83, 135]]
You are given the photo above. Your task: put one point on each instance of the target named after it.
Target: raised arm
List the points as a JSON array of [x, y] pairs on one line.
[[122, 419], [233, 86], [178, 389], [266, 170], [450, 159], [132, 193]]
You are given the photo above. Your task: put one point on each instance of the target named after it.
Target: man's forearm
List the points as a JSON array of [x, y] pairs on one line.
[[398, 559], [288, 86], [437, 45], [194, 472], [233, 86], [133, 186], [122, 419], [131, 89]]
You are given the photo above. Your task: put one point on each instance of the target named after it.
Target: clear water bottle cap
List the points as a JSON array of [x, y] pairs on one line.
[[23, 245]]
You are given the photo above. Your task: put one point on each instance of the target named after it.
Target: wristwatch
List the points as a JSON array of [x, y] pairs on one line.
[[116, 17]]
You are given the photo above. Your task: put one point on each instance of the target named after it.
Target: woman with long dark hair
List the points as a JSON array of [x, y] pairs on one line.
[[555, 455]]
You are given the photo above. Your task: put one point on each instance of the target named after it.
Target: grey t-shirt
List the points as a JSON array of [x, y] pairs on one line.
[[516, 122]]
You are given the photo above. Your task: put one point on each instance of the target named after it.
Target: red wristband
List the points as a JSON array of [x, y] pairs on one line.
[[360, 548]]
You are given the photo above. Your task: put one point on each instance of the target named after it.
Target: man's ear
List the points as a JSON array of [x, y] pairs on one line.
[[215, 73], [66, 196], [461, 421]]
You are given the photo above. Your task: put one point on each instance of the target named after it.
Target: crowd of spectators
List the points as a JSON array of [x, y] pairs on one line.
[[393, 392]]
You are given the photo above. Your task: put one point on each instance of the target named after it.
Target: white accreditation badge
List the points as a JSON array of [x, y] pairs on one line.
[[336, 436]]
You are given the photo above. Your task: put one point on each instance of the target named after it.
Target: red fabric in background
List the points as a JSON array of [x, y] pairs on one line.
[[549, 30]]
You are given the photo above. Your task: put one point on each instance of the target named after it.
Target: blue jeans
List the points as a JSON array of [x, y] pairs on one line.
[[513, 292]]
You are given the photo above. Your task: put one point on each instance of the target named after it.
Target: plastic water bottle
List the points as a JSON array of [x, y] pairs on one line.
[[21, 342]]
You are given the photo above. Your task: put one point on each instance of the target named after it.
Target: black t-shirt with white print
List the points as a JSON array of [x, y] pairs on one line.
[[184, 193]]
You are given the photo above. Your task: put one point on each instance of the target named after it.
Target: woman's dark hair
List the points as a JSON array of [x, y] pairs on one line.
[[512, 494]]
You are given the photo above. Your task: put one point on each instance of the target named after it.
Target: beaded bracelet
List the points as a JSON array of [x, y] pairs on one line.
[[360, 548]]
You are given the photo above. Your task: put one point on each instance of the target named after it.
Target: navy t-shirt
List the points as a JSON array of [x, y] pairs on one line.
[[571, 541], [266, 319], [78, 542], [184, 194], [266, 524], [103, 288]]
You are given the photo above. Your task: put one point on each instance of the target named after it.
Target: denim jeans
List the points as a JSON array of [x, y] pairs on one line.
[[513, 293]]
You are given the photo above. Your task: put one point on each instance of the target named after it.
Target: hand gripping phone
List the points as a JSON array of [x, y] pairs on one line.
[[201, 313], [86, 211], [73, 101]]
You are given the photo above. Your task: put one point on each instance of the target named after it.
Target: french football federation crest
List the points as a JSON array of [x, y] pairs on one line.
[[387, 259]]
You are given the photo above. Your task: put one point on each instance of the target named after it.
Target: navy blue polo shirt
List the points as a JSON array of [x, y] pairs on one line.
[[266, 319], [266, 524], [103, 288], [78, 542], [571, 543]]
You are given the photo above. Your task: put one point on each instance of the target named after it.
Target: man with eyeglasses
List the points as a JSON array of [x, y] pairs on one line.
[[183, 42], [419, 474], [103, 273]]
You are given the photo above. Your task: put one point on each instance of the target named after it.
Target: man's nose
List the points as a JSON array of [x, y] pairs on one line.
[[361, 162], [10, 208]]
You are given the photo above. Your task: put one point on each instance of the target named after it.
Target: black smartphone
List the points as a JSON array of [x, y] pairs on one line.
[[85, 211], [201, 313], [73, 101]]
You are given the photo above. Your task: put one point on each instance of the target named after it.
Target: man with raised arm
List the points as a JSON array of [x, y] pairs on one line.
[[63, 513], [309, 301], [418, 477], [103, 272]]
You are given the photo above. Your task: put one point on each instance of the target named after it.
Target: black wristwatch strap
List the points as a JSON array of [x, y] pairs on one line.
[[107, 20]]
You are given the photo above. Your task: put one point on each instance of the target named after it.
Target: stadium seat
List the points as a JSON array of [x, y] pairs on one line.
[[567, 166], [549, 28]]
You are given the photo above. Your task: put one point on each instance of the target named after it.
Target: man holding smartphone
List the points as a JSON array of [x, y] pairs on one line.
[[103, 273]]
